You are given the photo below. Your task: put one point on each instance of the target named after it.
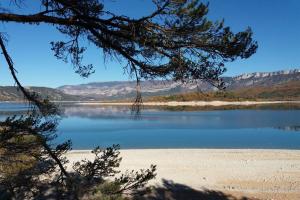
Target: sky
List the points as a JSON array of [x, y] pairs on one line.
[[275, 24]]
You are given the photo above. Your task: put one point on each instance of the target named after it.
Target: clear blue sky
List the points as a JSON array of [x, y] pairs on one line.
[[275, 23]]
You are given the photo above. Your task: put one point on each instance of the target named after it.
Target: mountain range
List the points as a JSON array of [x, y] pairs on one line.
[[127, 89], [117, 90], [12, 93]]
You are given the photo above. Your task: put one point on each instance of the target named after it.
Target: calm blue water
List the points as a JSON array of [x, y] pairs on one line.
[[88, 127]]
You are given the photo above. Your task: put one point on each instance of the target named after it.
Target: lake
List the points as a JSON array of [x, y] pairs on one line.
[[90, 126]]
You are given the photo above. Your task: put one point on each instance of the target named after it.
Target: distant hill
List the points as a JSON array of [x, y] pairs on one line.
[[260, 85], [127, 89], [263, 79], [282, 91], [11, 93]]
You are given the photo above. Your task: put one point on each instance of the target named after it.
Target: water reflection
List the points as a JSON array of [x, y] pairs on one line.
[[289, 128], [163, 117], [89, 126], [199, 119], [97, 112]]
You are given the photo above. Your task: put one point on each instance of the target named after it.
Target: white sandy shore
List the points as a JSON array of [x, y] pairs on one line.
[[191, 103], [264, 174]]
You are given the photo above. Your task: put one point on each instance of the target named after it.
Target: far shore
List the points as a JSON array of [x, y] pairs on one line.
[[171, 103], [190, 103], [254, 173]]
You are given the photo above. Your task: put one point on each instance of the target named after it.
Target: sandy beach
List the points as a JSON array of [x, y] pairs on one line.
[[190, 103], [256, 174]]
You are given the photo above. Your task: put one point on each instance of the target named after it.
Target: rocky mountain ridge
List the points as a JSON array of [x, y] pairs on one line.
[[265, 74], [127, 89], [116, 90]]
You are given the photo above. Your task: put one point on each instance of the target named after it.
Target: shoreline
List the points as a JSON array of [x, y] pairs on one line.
[[172, 103], [191, 103], [192, 149], [254, 173]]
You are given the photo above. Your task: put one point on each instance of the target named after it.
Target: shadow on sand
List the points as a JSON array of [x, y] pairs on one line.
[[174, 191]]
